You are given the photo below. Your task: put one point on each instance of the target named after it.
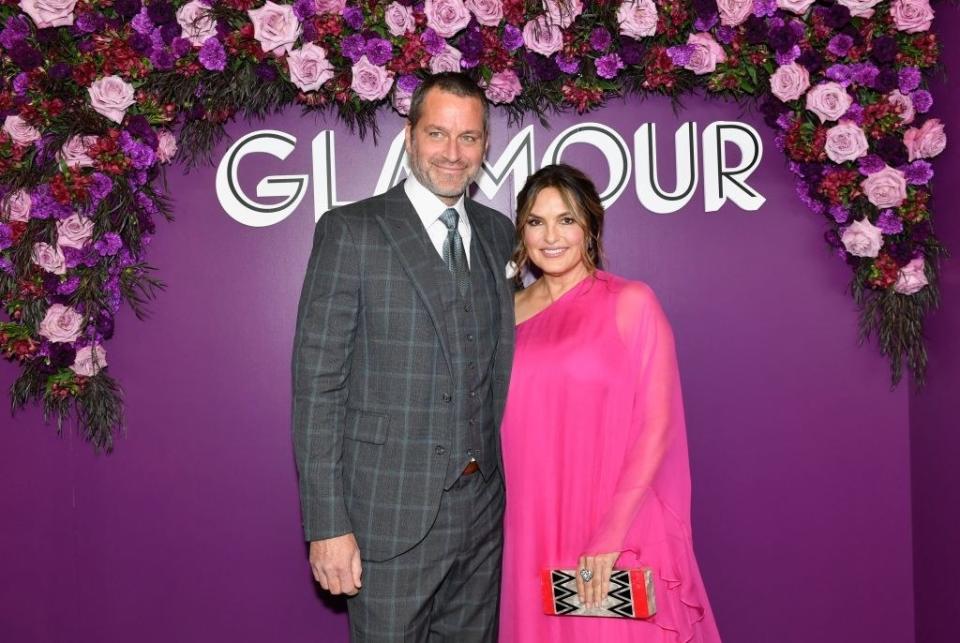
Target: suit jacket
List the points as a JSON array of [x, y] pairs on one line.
[[372, 374]]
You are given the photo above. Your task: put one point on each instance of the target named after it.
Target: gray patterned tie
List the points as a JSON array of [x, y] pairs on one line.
[[454, 254]]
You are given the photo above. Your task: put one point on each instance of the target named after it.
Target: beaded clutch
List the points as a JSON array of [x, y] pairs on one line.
[[631, 594]]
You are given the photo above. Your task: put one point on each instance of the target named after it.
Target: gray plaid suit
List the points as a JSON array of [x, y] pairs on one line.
[[375, 408]]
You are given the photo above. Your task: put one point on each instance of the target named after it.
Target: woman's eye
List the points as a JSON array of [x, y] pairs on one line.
[[568, 220]]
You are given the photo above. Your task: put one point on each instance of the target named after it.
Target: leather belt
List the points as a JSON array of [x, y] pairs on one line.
[[471, 468]]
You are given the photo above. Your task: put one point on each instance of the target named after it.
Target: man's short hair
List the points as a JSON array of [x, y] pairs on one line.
[[452, 82]]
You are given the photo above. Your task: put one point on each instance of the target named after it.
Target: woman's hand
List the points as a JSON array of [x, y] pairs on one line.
[[599, 566]]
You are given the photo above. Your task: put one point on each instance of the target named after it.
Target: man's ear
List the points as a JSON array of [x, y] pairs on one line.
[[407, 137]]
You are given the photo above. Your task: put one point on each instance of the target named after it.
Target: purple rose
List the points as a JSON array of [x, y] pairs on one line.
[[449, 60], [111, 96], [399, 19], [21, 132], [789, 82], [49, 13], [926, 141], [911, 16], [370, 82], [89, 360], [275, 27], [489, 13], [637, 18], [74, 231], [543, 37], [61, 324], [50, 258], [862, 239], [446, 17], [309, 68], [829, 101], [563, 12], [911, 278], [886, 188], [196, 22], [504, 87]]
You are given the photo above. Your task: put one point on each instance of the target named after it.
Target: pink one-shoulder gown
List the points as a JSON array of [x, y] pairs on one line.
[[595, 461]]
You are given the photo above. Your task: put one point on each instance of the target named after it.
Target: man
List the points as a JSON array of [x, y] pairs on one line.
[[401, 359]]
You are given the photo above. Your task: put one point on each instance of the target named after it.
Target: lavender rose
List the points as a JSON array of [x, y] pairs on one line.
[[563, 12], [637, 18], [489, 13], [49, 13], [734, 12], [74, 231], [399, 19], [401, 99], [16, 206], [74, 151], [370, 82], [21, 132], [503, 87], [911, 277], [542, 36], [790, 82], [905, 103], [798, 7], [309, 68], [330, 6], [448, 60], [829, 101], [61, 324], [860, 8], [166, 146], [111, 96], [196, 23], [846, 142], [912, 16], [705, 55], [50, 258], [89, 360], [862, 239], [275, 27], [446, 17], [927, 141], [886, 188]]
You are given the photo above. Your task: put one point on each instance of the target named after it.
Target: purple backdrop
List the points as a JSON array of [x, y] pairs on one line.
[[190, 530]]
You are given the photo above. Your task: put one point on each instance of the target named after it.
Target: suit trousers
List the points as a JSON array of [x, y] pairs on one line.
[[448, 586]]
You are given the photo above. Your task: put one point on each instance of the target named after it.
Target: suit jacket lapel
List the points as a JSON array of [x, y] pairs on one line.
[[404, 231]]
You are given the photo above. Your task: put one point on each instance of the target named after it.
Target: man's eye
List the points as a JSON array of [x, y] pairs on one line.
[[435, 134], [470, 139]]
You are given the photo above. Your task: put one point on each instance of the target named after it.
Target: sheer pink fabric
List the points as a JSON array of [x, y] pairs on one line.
[[595, 460]]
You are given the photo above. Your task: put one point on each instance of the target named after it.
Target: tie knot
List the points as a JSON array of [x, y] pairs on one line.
[[450, 218]]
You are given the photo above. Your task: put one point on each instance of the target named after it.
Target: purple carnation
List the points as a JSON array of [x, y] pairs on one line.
[[181, 47], [20, 83], [840, 45], [764, 8], [812, 60], [109, 244], [787, 57], [884, 49], [353, 17], [680, 54], [163, 60], [567, 65], [127, 8], [783, 39], [304, 9], [839, 213], [889, 222], [707, 22], [86, 256], [6, 265], [59, 71], [433, 42], [922, 100], [309, 33], [631, 51], [870, 164], [212, 55], [886, 81], [543, 69], [909, 78], [864, 74], [608, 66], [266, 71], [89, 22], [803, 192], [378, 51], [100, 185], [140, 43], [891, 149], [918, 173], [6, 236], [599, 39], [726, 34], [756, 30], [471, 44], [161, 12], [854, 113], [26, 57], [408, 83], [142, 24], [353, 47], [141, 156], [44, 206], [835, 16], [16, 29], [512, 38], [69, 286], [784, 121]]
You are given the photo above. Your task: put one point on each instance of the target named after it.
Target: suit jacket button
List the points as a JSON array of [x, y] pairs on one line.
[[440, 450], [447, 397]]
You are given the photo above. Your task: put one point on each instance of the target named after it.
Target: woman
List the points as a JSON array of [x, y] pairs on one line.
[[594, 444]]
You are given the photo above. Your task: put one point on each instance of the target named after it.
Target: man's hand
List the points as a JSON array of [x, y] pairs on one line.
[[335, 563]]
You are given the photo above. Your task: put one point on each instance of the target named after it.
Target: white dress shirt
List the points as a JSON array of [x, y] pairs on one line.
[[429, 207]]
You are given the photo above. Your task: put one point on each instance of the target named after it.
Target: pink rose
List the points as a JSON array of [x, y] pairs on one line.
[[503, 87], [543, 36], [862, 239], [927, 141], [489, 13], [637, 18], [563, 12], [399, 19], [21, 132], [733, 12], [61, 324], [790, 81], [111, 96], [370, 82], [275, 27], [846, 142], [911, 277], [16, 206], [196, 23], [309, 67], [89, 360], [49, 13], [905, 103], [74, 151], [329, 6], [447, 60], [166, 146], [829, 101], [74, 231], [50, 258], [886, 188], [798, 7], [860, 8], [401, 99], [912, 16], [446, 17], [706, 54]]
